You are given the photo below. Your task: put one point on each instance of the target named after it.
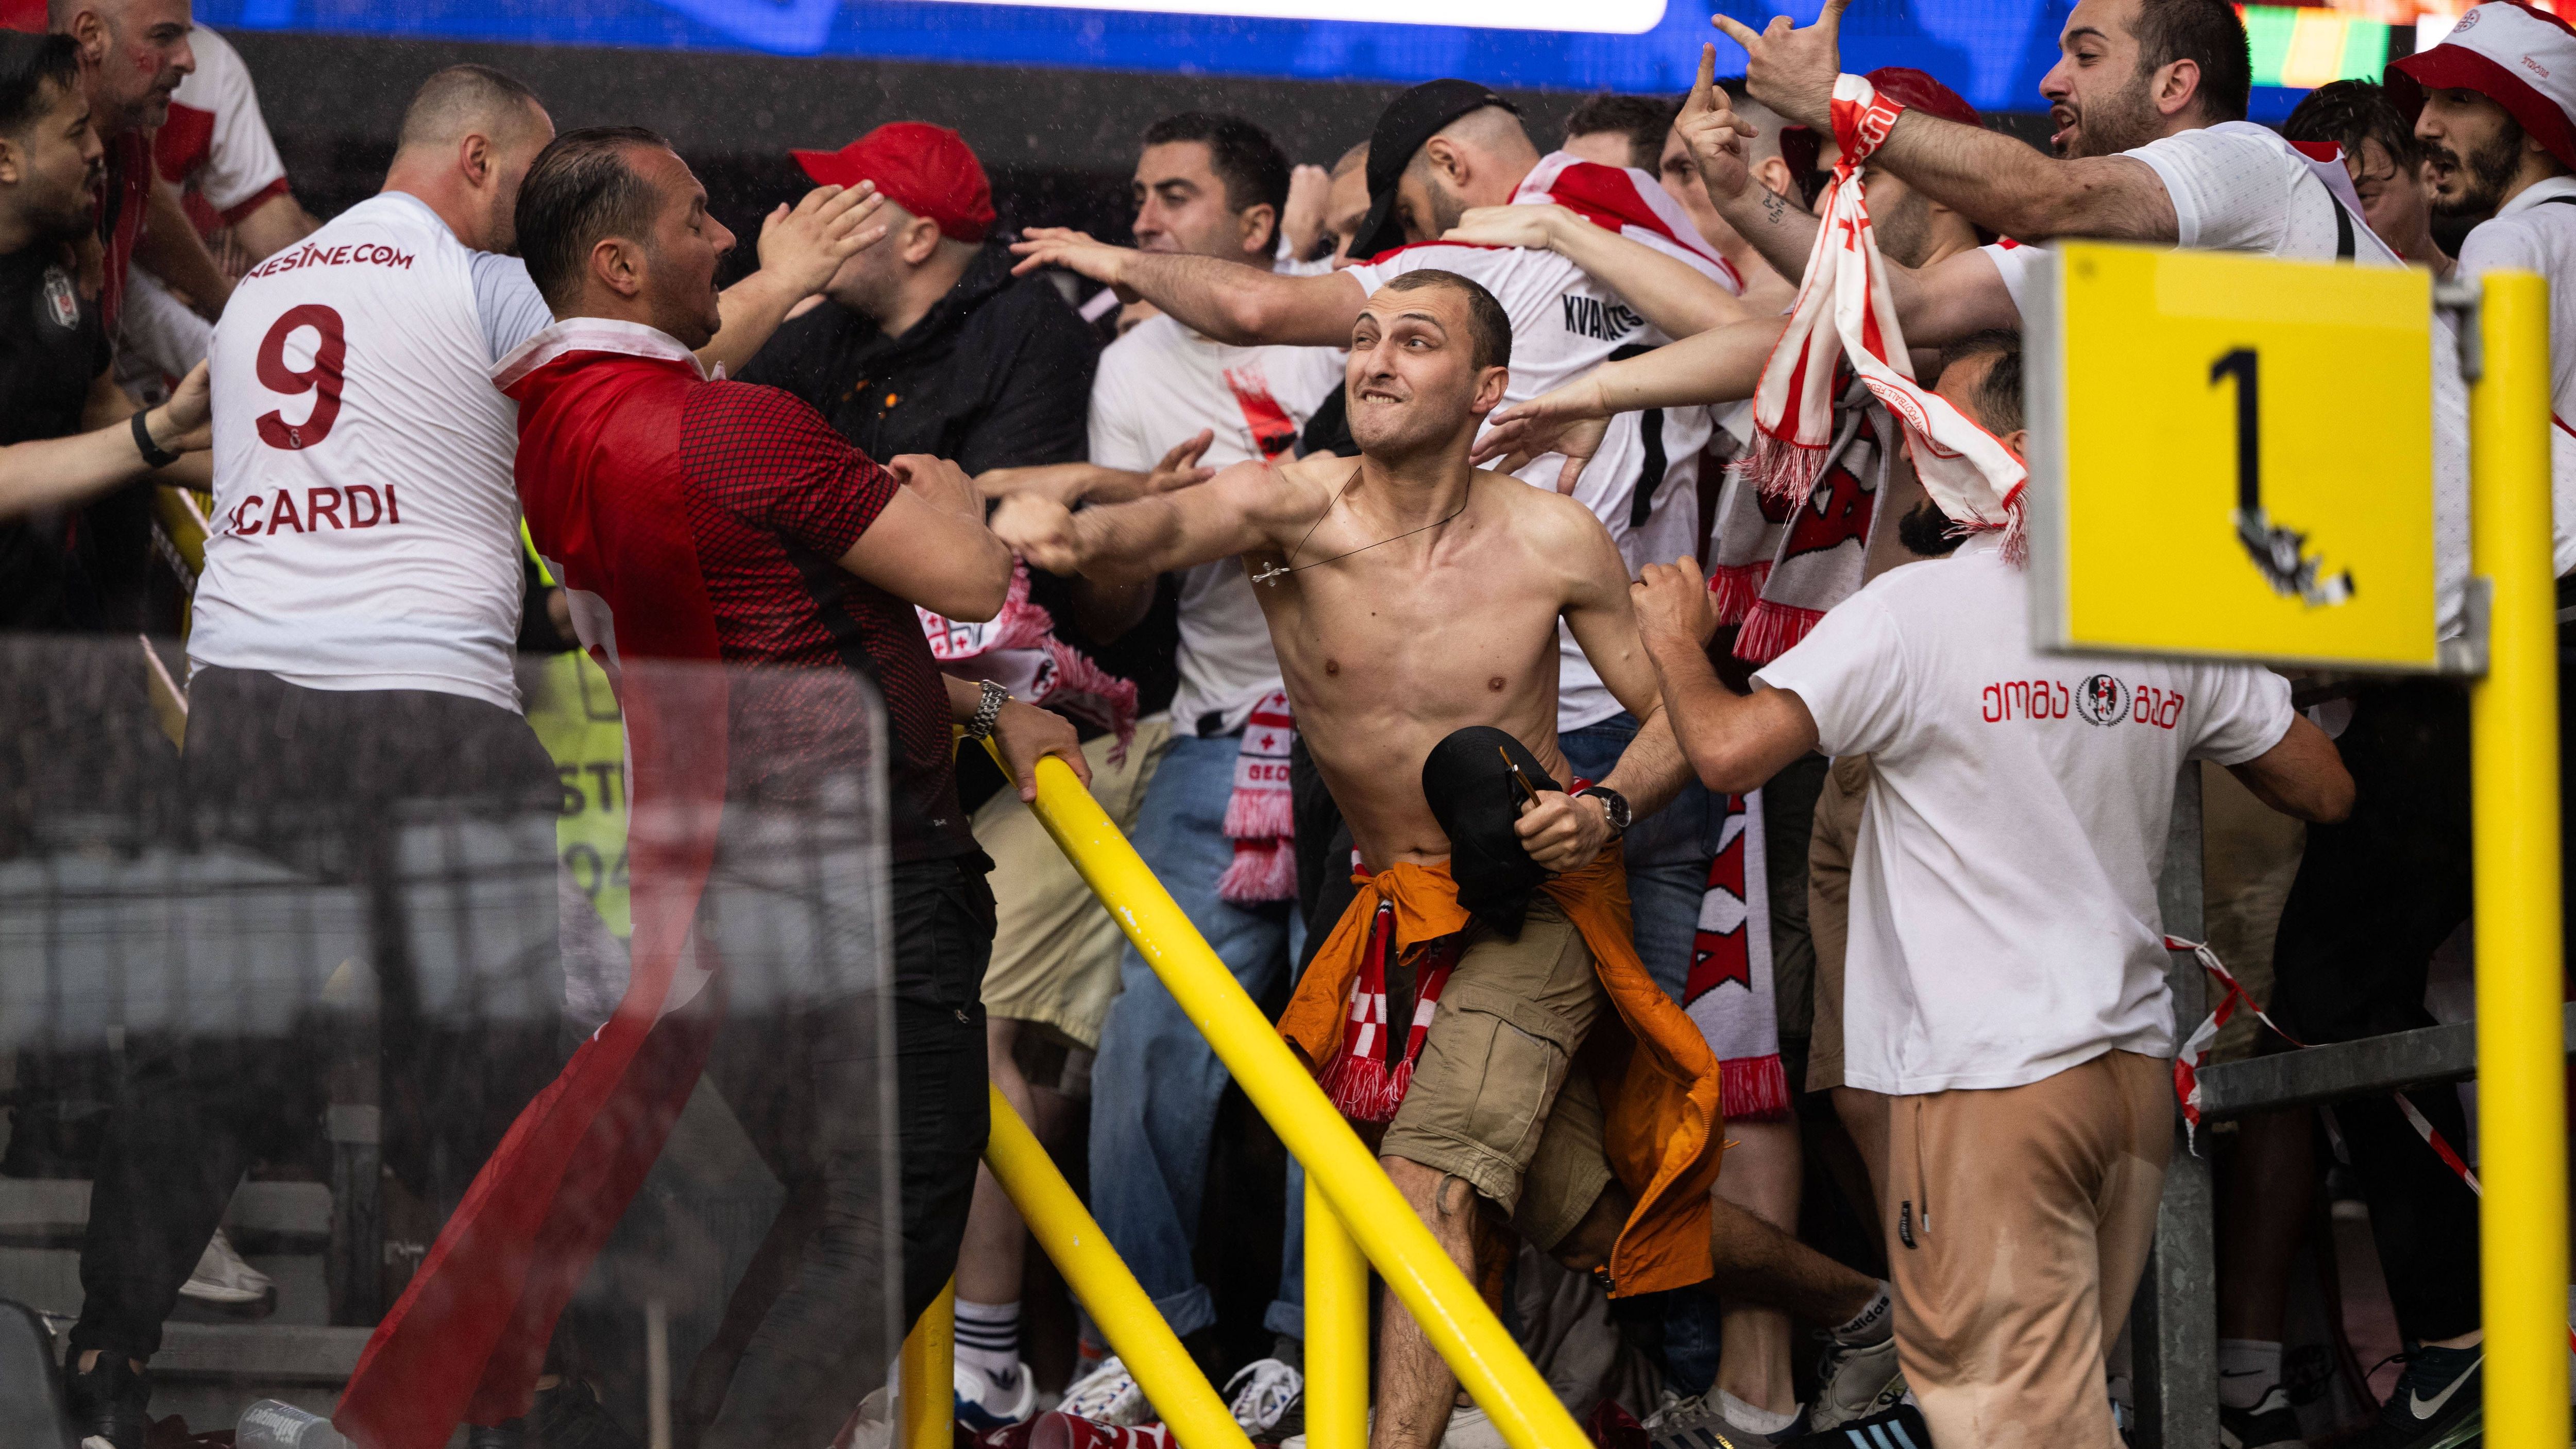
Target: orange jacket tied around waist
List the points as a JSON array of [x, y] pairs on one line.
[[1657, 1080]]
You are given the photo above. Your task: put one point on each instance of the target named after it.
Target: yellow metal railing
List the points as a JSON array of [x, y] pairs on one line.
[[2513, 752], [1354, 1215]]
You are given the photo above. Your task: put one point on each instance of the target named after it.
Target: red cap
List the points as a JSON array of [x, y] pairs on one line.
[[1917, 91], [2521, 58], [925, 169]]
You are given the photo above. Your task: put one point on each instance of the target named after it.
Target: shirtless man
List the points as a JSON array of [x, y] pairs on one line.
[[1412, 597]]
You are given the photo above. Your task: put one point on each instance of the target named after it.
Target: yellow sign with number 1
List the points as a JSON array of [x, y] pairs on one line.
[[2231, 457]]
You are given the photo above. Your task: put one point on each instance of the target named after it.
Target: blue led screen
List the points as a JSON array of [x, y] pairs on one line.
[[1993, 51]]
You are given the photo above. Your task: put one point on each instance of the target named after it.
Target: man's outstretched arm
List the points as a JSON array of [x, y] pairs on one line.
[[1232, 302], [1992, 179], [1734, 742], [1938, 304], [1237, 511]]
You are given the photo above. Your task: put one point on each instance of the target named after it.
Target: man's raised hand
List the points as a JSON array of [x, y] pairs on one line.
[[1077, 252], [1180, 467], [1672, 605], [1791, 68], [1571, 420], [1714, 134], [804, 245]]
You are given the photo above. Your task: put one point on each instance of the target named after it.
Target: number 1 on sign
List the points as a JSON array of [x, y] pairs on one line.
[[2280, 553]]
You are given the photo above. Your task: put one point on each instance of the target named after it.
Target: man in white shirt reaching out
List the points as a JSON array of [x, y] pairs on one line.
[[2005, 976]]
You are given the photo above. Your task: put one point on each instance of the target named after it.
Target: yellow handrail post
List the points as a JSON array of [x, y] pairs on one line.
[[1109, 1293], [1452, 1314], [2513, 731], [929, 1380], [1337, 1330]]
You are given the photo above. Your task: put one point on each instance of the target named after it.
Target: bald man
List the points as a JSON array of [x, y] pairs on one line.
[[133, 55], [360, 603]]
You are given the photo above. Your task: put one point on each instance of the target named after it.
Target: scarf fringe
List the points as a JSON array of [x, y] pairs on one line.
[[1251, 813], [1262, 870], [1772, 629], [1363, 1090], [1083, 689], [1785, 470], [1753, 1089], [1736, 588]]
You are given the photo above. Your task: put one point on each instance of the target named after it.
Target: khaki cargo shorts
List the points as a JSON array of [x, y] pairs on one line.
[[1056, 949], [1493, 1100]]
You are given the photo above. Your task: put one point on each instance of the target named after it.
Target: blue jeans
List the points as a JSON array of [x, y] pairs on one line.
[[1155, 1085], [1668, 854]]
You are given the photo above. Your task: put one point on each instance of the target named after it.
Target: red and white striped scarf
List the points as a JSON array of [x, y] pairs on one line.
[[1260, 817], [1971, 477], [1364, 1084]]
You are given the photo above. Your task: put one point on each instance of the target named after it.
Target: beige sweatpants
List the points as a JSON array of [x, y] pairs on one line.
[[2018, 1221]]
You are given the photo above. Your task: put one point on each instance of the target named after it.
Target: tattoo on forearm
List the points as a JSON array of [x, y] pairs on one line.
[[1774, 208]]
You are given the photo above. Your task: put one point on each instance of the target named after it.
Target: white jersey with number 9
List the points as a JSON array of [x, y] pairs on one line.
[[365, 529]]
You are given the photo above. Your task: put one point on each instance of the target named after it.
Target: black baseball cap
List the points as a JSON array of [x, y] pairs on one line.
[[1410, 121], [1467, 779]]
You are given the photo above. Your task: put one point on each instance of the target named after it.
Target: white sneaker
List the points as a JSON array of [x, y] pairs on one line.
[[976, 1390], [1856, 1381], [223, 1280], [1106, 1395], [1261, 1394]]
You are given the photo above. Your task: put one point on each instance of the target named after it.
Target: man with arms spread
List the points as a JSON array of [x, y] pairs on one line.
[[702, 520], [1440, 149], [2006, 965], [1413, 597]]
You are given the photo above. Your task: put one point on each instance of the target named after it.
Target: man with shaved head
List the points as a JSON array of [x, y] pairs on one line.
[[362, 586]]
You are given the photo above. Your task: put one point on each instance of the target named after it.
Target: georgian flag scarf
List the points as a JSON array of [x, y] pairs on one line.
[[1018, 650], [1971, 477], [1260, 816]]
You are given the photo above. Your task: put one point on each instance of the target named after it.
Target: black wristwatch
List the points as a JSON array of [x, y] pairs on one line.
[[1613, 805], [153, 453]]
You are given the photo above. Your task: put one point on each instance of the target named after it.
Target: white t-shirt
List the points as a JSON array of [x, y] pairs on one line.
[[2004, 924], [1156, 388], [2236, 186], [366, 530], [2534, 233], [1565, 324], [216, 144]]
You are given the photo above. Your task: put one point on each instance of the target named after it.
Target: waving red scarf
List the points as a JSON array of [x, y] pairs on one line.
[[1843, 311]]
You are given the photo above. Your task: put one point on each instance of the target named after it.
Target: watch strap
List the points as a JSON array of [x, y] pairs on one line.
[[153, 453]]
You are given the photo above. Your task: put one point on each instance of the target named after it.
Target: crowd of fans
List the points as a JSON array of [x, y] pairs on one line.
[[1664, 847]]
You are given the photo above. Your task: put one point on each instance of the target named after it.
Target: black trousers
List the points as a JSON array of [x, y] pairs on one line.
[[315, 779], [801, 1342]]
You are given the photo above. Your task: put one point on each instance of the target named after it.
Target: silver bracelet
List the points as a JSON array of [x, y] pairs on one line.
[[981, 726]]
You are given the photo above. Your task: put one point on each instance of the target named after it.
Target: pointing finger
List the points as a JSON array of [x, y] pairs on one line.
[[1736, 30], [1704, 83]]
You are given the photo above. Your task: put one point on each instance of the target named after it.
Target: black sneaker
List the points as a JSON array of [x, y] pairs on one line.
[[108, 1405], [1901, 1427], [2439, 1403], [2270, 1424], [570, 1416]]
